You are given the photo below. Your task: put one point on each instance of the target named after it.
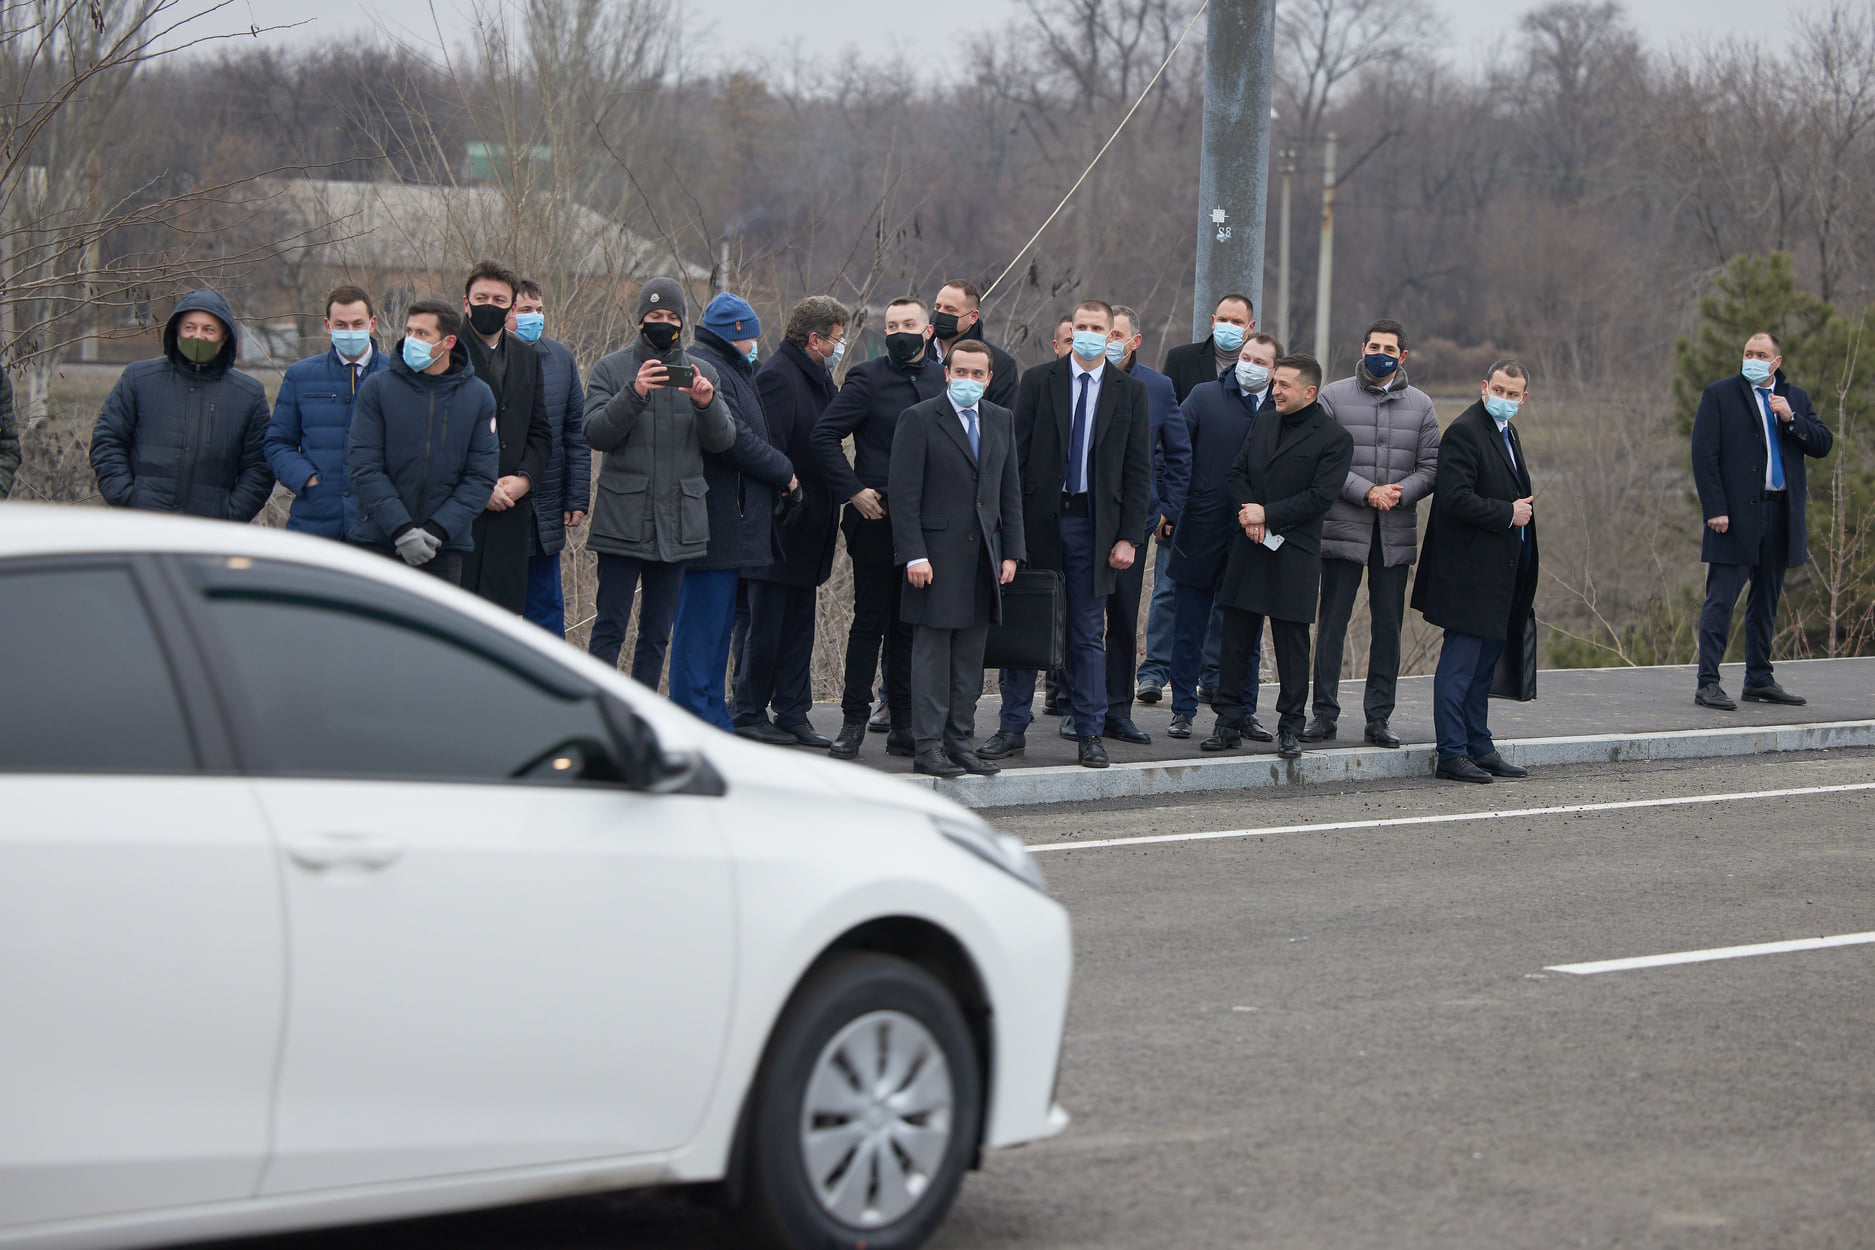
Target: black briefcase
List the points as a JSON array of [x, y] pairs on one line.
[[1034, 630]]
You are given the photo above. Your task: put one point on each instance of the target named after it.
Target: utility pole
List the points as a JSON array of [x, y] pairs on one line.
[[1233, 172], [1325, 273], [1282, 253]]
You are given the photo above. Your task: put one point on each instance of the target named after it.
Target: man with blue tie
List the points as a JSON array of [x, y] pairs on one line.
[[1083, 441], [1750, 436]]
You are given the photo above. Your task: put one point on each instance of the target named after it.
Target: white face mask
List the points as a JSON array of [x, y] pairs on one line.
[[1252, 376]]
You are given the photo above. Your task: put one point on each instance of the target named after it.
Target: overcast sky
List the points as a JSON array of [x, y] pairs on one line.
[[740, 31]]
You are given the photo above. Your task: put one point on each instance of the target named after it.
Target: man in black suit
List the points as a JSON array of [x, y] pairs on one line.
[[1286, 475], [1477, 573], [503, 534], [867, 409], [1750, 436], [956, 315], [1190, 365], [1083, 431], [957, 521]]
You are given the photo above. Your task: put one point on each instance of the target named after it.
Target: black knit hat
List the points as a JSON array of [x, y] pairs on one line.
[[663, 293]]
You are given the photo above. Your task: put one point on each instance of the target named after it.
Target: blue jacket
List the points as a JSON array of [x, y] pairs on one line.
[[1729, 452], [422, 449], [312, 417], [1218, 416], [567, 486], [175, 436], [744, 479], [1171, 448]]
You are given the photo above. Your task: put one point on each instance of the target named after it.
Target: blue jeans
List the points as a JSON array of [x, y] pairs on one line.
[[706, 615], [546, 603], [1461, 694], [1195, 650], [1161, 621], [1087, 653]]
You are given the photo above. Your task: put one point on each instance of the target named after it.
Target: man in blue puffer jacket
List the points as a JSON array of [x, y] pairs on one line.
[[312, 417], [562, 495]]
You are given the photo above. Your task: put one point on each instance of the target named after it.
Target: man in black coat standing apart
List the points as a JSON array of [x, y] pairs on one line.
[[504, 533], [957, 521], [1477, 575], [1083, 441], [1287, 474], [1750, 436]]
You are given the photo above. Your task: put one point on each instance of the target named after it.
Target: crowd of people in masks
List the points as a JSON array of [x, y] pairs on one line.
[[727, 483]]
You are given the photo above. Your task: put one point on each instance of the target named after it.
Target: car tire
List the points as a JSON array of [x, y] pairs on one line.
[[841, 1157]]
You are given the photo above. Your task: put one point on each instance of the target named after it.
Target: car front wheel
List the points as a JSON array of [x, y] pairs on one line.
[[867, 1111]]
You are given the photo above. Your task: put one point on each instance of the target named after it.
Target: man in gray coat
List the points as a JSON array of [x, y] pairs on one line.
[[1374, 526], [652, 512]]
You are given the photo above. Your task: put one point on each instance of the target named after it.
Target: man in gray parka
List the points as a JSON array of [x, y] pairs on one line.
[[1374, 526], [652, 512]]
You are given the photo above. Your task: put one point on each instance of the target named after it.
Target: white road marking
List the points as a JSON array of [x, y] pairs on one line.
[[1393, 822], [1717, 952]]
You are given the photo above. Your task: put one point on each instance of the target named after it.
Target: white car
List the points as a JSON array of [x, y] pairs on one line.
[[329, 893]]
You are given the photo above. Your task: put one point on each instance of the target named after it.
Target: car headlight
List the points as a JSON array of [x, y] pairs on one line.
[[1006, 851]]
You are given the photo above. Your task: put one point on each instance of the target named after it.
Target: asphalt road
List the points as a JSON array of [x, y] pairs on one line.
[[1352, 1039]]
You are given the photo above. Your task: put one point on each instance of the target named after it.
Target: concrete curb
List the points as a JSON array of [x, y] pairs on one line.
[[1019, 787]]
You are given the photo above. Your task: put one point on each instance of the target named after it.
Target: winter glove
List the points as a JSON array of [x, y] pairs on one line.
[[417, 546], [790, 506]]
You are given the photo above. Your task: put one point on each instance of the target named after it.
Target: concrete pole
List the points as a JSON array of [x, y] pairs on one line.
[[1282, 253], [1325, 272], [1233, 172]]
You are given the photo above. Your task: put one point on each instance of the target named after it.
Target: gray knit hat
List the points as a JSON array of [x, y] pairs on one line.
[[663, 293]]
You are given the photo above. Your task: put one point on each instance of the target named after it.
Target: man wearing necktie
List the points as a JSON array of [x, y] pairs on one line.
[[1083, 442], [1750, 436], [957, 528]]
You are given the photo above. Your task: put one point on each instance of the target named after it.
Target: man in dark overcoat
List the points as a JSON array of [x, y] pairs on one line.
[[1477, 576], [1286, 475]]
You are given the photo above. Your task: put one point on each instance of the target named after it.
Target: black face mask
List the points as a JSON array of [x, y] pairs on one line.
[[660, 334], [904, 348], [946, 324], [487, 318]]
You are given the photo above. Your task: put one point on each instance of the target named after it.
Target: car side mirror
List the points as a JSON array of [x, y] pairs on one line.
[[648, 766]]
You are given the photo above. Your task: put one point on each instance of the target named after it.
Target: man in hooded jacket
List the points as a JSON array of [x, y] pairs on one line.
[[187, 431]]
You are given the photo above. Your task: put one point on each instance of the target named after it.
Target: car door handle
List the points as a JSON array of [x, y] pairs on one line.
[[344, 850]]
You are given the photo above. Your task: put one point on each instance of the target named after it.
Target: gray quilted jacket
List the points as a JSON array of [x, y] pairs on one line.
[[1396, 439]]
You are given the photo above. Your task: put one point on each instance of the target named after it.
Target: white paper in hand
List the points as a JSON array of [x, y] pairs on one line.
[[1272, 540]]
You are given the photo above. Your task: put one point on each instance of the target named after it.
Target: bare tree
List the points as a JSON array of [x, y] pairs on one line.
[[1323, 44]]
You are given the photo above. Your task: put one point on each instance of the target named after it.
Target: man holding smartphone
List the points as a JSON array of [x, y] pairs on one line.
[[652, 411]]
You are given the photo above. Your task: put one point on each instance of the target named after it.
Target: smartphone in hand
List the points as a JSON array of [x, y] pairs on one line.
[[679, 376]]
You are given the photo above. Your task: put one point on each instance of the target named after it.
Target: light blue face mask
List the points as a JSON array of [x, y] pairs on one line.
[[839, 350], [966, 392], [417, 354], [351, 344], [1090, 344], [1116, 352], [1501, 409], [1251, 377], [1227, 336], [528, 327], [1757, 372], [751, 354]]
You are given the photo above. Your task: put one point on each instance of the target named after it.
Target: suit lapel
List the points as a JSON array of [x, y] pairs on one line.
[[953, 425], [1522, 467], [1109, 398], [1497, 440], [1061, 388]]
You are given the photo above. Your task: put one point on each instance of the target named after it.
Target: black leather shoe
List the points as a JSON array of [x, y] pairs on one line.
[[1093, 753], [1223, 738], [1050, 707], [1287, 745], [899, 742], [1461, 769], [765, 730], [805, 735], [1069, 730], [1256, 733], [1772, 693], [1204, 695], [1498, 766], [1380, 735], [846, 746], [1002, 745], [972, 763], [1124, 730], [1149, 692], [935, 763], [1180, 727], [1713, 695], [1319, 729], [881, 720]]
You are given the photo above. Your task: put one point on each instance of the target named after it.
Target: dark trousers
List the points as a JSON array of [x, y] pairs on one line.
[[1122, 646], [739, 636], [1236, 655], [444, 564], [1195, 611], [619, 579], [1724, 581], [946, 680], [706, 615], [877, 591], [497, 568], [1386, 609], [1087, 658], [546, 601], [1161, 618], [778, 658], [1461, 694]]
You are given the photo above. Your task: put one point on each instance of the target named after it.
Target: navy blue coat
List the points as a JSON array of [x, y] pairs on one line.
[[1729, 452], [743, 480], [795, 389], [312, 419], [175, 436], [1171, 449], [566, 486], [422, 449], [1217, 419]]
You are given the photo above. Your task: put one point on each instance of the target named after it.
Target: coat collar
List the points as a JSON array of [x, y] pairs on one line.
[[953, 425]]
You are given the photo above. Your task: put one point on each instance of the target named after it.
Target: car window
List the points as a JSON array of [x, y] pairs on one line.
[[86, 687], [336, 693]]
